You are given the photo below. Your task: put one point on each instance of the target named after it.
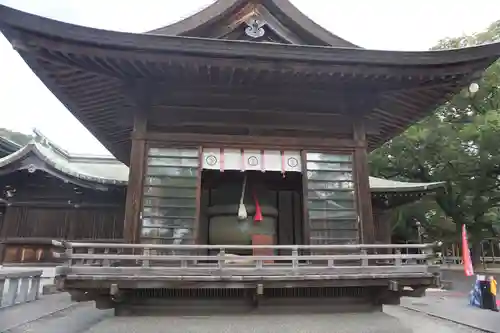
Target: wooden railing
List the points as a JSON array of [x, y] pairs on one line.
[[192, 263], [18, 286]]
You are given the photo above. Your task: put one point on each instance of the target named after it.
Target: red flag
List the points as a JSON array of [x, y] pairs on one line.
[[258, 212], [469, 270]]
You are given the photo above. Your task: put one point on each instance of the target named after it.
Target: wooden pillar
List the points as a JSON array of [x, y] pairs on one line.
[[306, 234], [363, 184], [133, 202], [3, 235]]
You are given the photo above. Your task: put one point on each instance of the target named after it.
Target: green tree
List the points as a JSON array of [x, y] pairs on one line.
[[458, 144]]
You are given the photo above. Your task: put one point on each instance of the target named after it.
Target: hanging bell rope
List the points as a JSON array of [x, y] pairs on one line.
[[242, 210]]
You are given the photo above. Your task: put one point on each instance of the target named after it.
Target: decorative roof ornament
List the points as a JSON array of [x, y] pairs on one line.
[[255, 28], [31, 168]]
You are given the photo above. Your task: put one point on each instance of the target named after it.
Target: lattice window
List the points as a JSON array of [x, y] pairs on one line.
[[331, 199], [169, 198]]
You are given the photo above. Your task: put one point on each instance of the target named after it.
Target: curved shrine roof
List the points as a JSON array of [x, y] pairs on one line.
[[94, 169], [7, 147], [98, 75], [381, 185]]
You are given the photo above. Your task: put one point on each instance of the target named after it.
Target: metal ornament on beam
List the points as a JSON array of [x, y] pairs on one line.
[[255, 27], [252, 160]]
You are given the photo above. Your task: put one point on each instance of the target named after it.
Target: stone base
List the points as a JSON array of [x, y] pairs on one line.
[[50, 289]]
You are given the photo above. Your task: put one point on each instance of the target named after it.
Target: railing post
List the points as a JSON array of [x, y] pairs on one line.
[[10, 298], [90, 250], [220, 262], [331, 263], [364, 260], [295, 260], [397, 260], [146, 252], [22, 295], [106, 262], [2, 286], [68, 251], [258, 264], [34, 289], [184, 263]]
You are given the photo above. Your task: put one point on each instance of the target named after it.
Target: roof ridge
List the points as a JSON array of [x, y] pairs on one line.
[[44, 140], [43, 152], [218, 10]]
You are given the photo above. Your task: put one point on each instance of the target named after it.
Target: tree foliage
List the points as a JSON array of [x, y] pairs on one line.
[[458, 144]]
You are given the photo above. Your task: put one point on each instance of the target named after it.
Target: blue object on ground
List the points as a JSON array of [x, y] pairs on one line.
[[475, 295]]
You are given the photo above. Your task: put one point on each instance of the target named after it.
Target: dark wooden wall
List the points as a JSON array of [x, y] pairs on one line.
[[382, 225], [44, 207], [63, 223]]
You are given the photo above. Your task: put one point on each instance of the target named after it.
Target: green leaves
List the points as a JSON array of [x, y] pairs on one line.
[[459, 144]]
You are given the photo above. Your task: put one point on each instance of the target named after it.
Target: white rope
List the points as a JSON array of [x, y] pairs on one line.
[[242, 211]]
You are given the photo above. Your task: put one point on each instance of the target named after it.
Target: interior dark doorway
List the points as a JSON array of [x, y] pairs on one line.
[[277, 196]]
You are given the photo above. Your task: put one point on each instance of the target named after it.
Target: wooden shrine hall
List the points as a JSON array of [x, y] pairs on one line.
[[48, 193], [246, 129]]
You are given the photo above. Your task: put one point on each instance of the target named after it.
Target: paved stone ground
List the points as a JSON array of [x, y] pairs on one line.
[[19, 314], [292, 323], [75, 319], [422, 323], [84, 318], [454, 306]]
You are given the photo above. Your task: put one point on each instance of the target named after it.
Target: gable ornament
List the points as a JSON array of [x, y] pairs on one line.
[[255, 28]]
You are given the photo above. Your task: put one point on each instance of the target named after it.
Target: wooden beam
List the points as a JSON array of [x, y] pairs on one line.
[[219, 141], [242, 109], [63, 204], [133, 201], [363, 184], [199, 116]]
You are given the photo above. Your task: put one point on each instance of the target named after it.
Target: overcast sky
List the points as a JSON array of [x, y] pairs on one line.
[[25, 103]]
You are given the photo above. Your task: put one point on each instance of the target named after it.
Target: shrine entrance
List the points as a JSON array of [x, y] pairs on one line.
[[251, 197], [243, 208]]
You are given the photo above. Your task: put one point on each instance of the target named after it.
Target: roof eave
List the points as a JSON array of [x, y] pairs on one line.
[[38, 26], [406, 187], [33, 148]]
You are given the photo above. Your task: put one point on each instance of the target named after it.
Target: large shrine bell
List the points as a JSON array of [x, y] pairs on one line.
[[226, 227]]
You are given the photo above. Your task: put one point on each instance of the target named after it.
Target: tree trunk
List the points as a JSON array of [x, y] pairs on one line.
[[476, 254]]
